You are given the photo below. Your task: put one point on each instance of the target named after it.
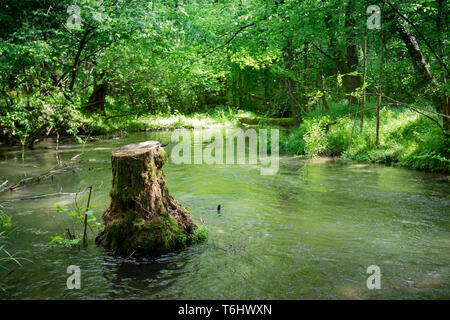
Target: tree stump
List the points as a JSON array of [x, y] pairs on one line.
[[143, 217]]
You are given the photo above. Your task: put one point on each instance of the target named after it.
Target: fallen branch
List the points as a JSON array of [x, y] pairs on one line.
[[4, 184], [419, 111], [397, 104], [43, 196], [49, 175]]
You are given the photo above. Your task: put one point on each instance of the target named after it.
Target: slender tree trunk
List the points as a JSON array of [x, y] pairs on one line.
[[363, 99], [439, 26], [305, 77], [291, 84], [351, 82], [266, 87], [445, 108], [346, 62], [76, 61], [320, 85], [440, 101], [380, 88]]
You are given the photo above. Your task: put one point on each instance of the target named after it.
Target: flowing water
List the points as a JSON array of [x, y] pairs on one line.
[[308, 232]]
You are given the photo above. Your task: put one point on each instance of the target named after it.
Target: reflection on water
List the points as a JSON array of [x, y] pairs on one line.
[[309, 232]]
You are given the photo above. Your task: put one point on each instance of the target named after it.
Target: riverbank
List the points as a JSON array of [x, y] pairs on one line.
[[113, 123], [406, 139]]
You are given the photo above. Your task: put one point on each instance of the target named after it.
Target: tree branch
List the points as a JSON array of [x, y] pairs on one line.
[[231, 39], [419, 33]]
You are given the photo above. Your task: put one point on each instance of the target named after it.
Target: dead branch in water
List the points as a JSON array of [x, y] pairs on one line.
[[44, 196], [49, 175], [4, 184]]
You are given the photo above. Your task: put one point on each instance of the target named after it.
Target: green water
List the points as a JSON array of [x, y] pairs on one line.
[[308, 232]]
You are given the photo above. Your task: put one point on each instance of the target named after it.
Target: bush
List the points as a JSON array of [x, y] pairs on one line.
[[5, 220], [315, 140], [406, 139]]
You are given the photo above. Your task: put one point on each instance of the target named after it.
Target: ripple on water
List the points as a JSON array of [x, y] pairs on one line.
[[309, 232]]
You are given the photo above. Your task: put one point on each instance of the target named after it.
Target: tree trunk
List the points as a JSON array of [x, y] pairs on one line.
[[351, 82], [422, 68], [380, 87], [363, 103], [143, 217], [291, 84], [346, 62], [97, 100], [305, 77], [320, 86]]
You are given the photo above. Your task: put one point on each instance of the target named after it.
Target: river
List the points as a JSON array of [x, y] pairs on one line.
[[308, 232]]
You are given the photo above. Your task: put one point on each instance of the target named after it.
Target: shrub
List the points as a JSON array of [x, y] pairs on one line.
[[406, 139]]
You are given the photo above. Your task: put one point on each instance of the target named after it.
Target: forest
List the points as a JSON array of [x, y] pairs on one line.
[[358, 90], [368, 93]]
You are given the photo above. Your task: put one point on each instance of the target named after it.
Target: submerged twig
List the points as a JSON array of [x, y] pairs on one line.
[[48, 175], [43, 196]]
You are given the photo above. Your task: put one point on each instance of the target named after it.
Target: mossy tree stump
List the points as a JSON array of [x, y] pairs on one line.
[[143, 217]]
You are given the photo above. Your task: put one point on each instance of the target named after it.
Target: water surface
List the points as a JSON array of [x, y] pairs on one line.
[[308, 232]]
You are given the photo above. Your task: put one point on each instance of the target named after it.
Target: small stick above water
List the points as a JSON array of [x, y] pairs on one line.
[[86, 216]]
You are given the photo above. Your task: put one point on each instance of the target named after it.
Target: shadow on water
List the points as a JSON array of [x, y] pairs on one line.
[[142, 276]]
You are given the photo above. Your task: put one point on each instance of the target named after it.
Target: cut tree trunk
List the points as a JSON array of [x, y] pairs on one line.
[[143, 217]]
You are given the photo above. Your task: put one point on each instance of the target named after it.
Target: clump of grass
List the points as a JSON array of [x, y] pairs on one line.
[[5, 232], [5, 220]]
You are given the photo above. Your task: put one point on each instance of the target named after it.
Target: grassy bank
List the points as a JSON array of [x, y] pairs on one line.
[[407, 139], [219, 117]]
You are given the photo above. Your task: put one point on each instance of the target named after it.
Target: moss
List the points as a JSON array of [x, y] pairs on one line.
[[161, 234], [128, 226], [199, 235], [161, 159]]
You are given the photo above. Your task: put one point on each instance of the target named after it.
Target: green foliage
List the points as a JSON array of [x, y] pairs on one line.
[[5, 256], [161, 64], [5, 220], [315, 142], [406, 139], [5, 231], [292, 142], [65, 242], [200, 235], [73, 237]]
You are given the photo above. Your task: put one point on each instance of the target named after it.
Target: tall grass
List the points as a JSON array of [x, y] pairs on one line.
[[5, 231]]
